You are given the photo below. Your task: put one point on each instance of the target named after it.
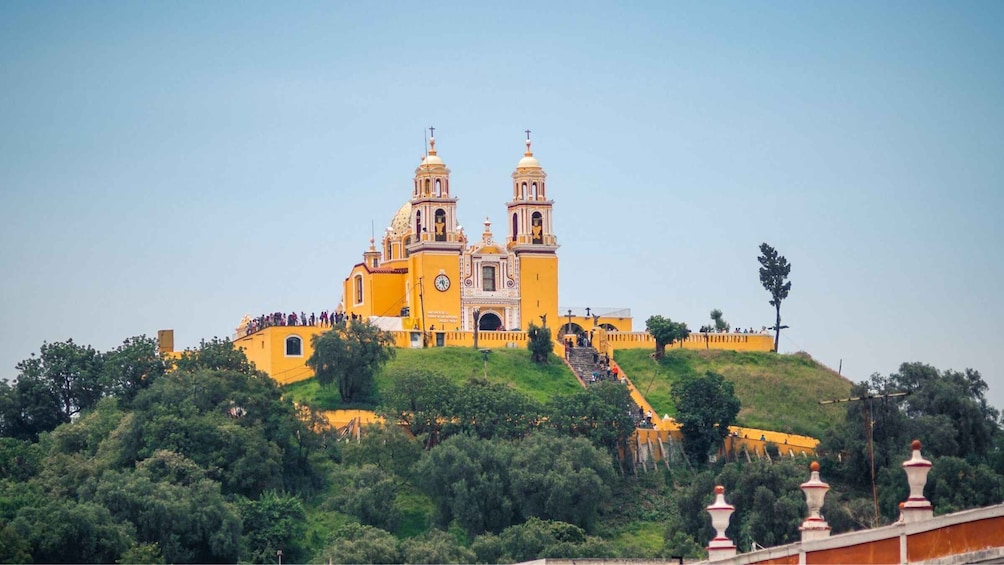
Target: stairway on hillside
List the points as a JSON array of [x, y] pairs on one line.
[[581, 361]]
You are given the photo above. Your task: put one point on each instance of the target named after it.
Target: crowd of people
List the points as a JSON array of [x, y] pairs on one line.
[[325, 319], [714, 330]]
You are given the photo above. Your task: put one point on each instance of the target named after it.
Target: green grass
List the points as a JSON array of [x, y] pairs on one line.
[[510, 366], [778, 392]]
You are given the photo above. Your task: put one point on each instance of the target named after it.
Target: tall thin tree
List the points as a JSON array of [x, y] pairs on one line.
[[774, 271]]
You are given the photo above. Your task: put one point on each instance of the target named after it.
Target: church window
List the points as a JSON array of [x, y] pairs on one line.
[[534, 191], [405, 244], [522, 192], [428, 185], [515, 225], [440, 225], [418, 224], [439, 188], [488, 279], [294, 346], [390, 251], [359, 289]]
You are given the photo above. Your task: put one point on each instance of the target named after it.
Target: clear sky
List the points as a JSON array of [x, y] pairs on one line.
[[177, 165]]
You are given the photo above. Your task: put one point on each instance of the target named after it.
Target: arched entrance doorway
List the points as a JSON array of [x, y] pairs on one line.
[[572, 328], [489, 322]]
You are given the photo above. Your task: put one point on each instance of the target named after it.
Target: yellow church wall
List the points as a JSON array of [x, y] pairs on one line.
[[538, 289], [267, 350], [429, 305], [383, 293]]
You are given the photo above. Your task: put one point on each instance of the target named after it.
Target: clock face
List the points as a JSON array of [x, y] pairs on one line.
[[442, 283]]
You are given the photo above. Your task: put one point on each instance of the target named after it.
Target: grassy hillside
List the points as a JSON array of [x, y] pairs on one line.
[[512, 366], [778, 392]]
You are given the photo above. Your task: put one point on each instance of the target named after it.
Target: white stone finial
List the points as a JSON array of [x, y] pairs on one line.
[[721, 547], [917, 507], [814, 527]]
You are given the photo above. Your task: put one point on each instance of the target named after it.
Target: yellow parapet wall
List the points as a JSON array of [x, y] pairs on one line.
[[732, 342]]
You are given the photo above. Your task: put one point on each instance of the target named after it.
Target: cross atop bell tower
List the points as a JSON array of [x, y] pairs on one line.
[[433, 211]]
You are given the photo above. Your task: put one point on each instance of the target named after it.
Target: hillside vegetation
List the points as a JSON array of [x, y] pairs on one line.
[[778, 392], [509, 366]]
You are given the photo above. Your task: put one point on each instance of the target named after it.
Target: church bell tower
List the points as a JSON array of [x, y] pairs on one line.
[[531, 238], [434, 245]]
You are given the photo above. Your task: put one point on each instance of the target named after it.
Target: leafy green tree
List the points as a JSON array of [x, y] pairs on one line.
[[215, 355], [51, 388], [435, 546], [468, 480], [540, 343], [539, 539], [492, 410], [236, 425], [421, 399], [349, 354], [386, 446], [705, 408], [368, 493], [720, 324], [600, 413], [276, 521], [66, 531], [769, 505], [355, 543], [556, 478], [172, 503], [132, 367], [947, 410], [665, 332], [774, 270]]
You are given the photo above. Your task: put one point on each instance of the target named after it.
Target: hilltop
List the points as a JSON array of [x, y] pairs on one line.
[[778, 392], [510, 366]]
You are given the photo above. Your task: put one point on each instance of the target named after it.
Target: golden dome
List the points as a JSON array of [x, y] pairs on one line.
[[432, 158], [400, 225], [528, 161]]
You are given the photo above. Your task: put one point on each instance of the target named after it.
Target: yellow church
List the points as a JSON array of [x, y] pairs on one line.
[[427, 275], [432, 286]]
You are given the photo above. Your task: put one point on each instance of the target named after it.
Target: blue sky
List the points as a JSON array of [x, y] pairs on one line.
[[177, 165]]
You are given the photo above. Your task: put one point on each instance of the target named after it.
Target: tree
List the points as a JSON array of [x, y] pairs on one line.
[[600, 413], [468, 480], [539, 539], [666, 332], [492, 410], [273, 522], [132, 367], [540, 343], [435, 546], [774, 271], [422, 399], [720, 324], [349, 355], [72, 372], [705, 408], [355, 543]]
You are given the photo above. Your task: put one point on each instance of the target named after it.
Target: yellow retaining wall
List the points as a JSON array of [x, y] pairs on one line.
[[732, 342]]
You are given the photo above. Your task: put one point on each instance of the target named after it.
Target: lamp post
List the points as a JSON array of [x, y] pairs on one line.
[[568, 329]]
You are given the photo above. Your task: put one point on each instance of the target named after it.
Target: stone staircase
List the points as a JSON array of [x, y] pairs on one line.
[[581, 360]]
